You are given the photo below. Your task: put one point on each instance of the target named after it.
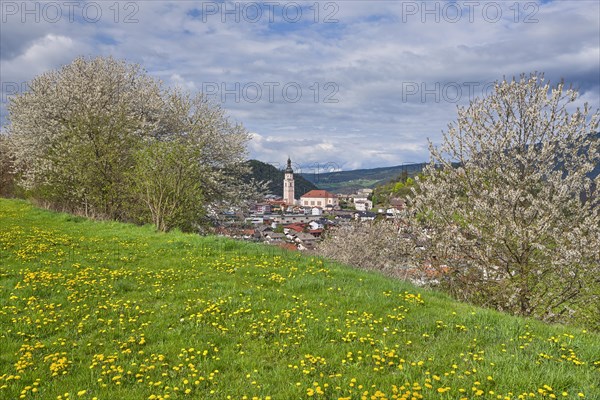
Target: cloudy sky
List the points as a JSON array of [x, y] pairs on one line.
[[350, 84]]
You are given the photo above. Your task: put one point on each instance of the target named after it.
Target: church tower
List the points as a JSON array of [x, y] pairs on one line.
[[288, 184]]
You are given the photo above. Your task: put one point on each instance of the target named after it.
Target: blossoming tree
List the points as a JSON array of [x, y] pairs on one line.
[[510, 203]]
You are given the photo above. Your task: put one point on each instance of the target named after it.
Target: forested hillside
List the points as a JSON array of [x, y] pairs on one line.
[[350, 181], [266, 172]]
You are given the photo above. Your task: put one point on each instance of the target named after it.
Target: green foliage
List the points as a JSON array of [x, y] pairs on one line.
[[90, 162], [6, 168], [168, 178], [122, 312], [400, 187]]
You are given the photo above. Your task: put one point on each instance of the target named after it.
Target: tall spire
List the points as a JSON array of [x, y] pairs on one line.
[[288, 184]]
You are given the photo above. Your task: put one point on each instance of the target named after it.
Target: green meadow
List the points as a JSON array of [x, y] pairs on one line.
[[105, 310]]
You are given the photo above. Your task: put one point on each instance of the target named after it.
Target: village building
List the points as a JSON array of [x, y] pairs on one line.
[[297, 227], [316, 211], [294, 218], [364, 216], [262, 208], [363, 205], [315, 225], [318, 198]]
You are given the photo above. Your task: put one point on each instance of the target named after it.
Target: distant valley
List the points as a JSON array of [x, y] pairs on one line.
[[344, 181], [351, 181], [336, 182]]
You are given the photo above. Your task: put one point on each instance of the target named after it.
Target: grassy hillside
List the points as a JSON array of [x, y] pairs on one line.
[[350, 181], [113, 311]]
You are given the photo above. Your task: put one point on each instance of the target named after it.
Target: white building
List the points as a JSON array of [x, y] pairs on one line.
[[363, 205], [318, 198], [316, 225]]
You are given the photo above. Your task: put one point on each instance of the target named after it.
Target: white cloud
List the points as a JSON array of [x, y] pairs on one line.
[[41, 55], [375, 50], [177, 80]]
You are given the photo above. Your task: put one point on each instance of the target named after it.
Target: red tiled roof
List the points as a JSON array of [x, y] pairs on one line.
[[324, 194], [295, 227]]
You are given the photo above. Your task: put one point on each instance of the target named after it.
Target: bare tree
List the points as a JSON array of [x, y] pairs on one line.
[[385, 246]]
